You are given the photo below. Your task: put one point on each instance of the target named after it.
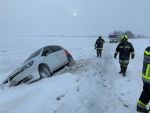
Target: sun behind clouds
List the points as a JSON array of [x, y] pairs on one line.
[[74, 12]]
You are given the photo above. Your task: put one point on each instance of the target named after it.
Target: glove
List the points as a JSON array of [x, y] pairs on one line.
[[115, 56], [132, 56], [95, 46]]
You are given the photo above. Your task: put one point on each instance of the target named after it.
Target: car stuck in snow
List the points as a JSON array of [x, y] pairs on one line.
[[42, 63]]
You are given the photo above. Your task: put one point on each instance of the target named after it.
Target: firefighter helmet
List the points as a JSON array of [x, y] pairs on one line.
[[125, 37]]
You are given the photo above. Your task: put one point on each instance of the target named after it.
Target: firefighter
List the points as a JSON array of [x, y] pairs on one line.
[[99, 46], [145, 95], [125, 49]]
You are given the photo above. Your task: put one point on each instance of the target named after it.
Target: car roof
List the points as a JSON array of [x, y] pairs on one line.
[[53, 46]]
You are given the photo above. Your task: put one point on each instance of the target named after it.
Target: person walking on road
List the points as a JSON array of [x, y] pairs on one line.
[[99, 46], [145, 95], [125, 49]]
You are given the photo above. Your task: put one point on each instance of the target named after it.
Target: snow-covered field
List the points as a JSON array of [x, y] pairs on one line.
[[92, 85]]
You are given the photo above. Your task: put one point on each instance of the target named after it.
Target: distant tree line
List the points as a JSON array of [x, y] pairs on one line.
[[129, 33]]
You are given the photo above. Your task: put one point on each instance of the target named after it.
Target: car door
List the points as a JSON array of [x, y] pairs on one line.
[[59, 51], [50, 58]]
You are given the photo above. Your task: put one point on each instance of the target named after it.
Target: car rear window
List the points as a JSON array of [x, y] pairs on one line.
[[56, 48]]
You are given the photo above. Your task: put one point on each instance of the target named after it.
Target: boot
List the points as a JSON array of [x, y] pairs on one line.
[[124, 71], [121, 70], [97, 54], [124, 74], [100, 53], [142, 110]]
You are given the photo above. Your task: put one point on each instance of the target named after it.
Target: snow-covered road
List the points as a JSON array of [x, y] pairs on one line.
[[92, 85]]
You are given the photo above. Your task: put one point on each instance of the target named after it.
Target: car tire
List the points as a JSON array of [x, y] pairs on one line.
[[70, 60], [44, 71]]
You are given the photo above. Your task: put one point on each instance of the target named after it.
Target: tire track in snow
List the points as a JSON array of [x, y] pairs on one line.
[[94, 88], [97, 77]]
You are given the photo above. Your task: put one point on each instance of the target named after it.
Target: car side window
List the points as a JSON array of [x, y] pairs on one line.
[[47, 50], [56, 48]]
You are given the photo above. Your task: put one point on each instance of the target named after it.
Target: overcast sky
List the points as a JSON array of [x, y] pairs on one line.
[[75, 17]]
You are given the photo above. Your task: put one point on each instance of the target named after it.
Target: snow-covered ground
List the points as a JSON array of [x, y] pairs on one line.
[[92, 85]]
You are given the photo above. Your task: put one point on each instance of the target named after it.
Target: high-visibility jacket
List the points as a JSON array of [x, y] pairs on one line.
[[125, 49], [146, 66]]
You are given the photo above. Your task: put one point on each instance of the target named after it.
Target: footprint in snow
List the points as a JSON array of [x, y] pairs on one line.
[[122, 94], [78, 80], [3, 51], [55, 111], [104, 85], [60, 97], [77, 88]]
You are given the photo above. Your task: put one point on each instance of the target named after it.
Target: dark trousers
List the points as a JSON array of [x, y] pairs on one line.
[[123, 69], [145, 95], [123, 65], [99, 52]]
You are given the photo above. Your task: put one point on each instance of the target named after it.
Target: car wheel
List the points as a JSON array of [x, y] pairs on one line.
[[70, 60], [44, 71]]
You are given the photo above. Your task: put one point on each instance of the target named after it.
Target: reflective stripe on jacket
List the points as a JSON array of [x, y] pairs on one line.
[[146, 66], [125, 49]]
